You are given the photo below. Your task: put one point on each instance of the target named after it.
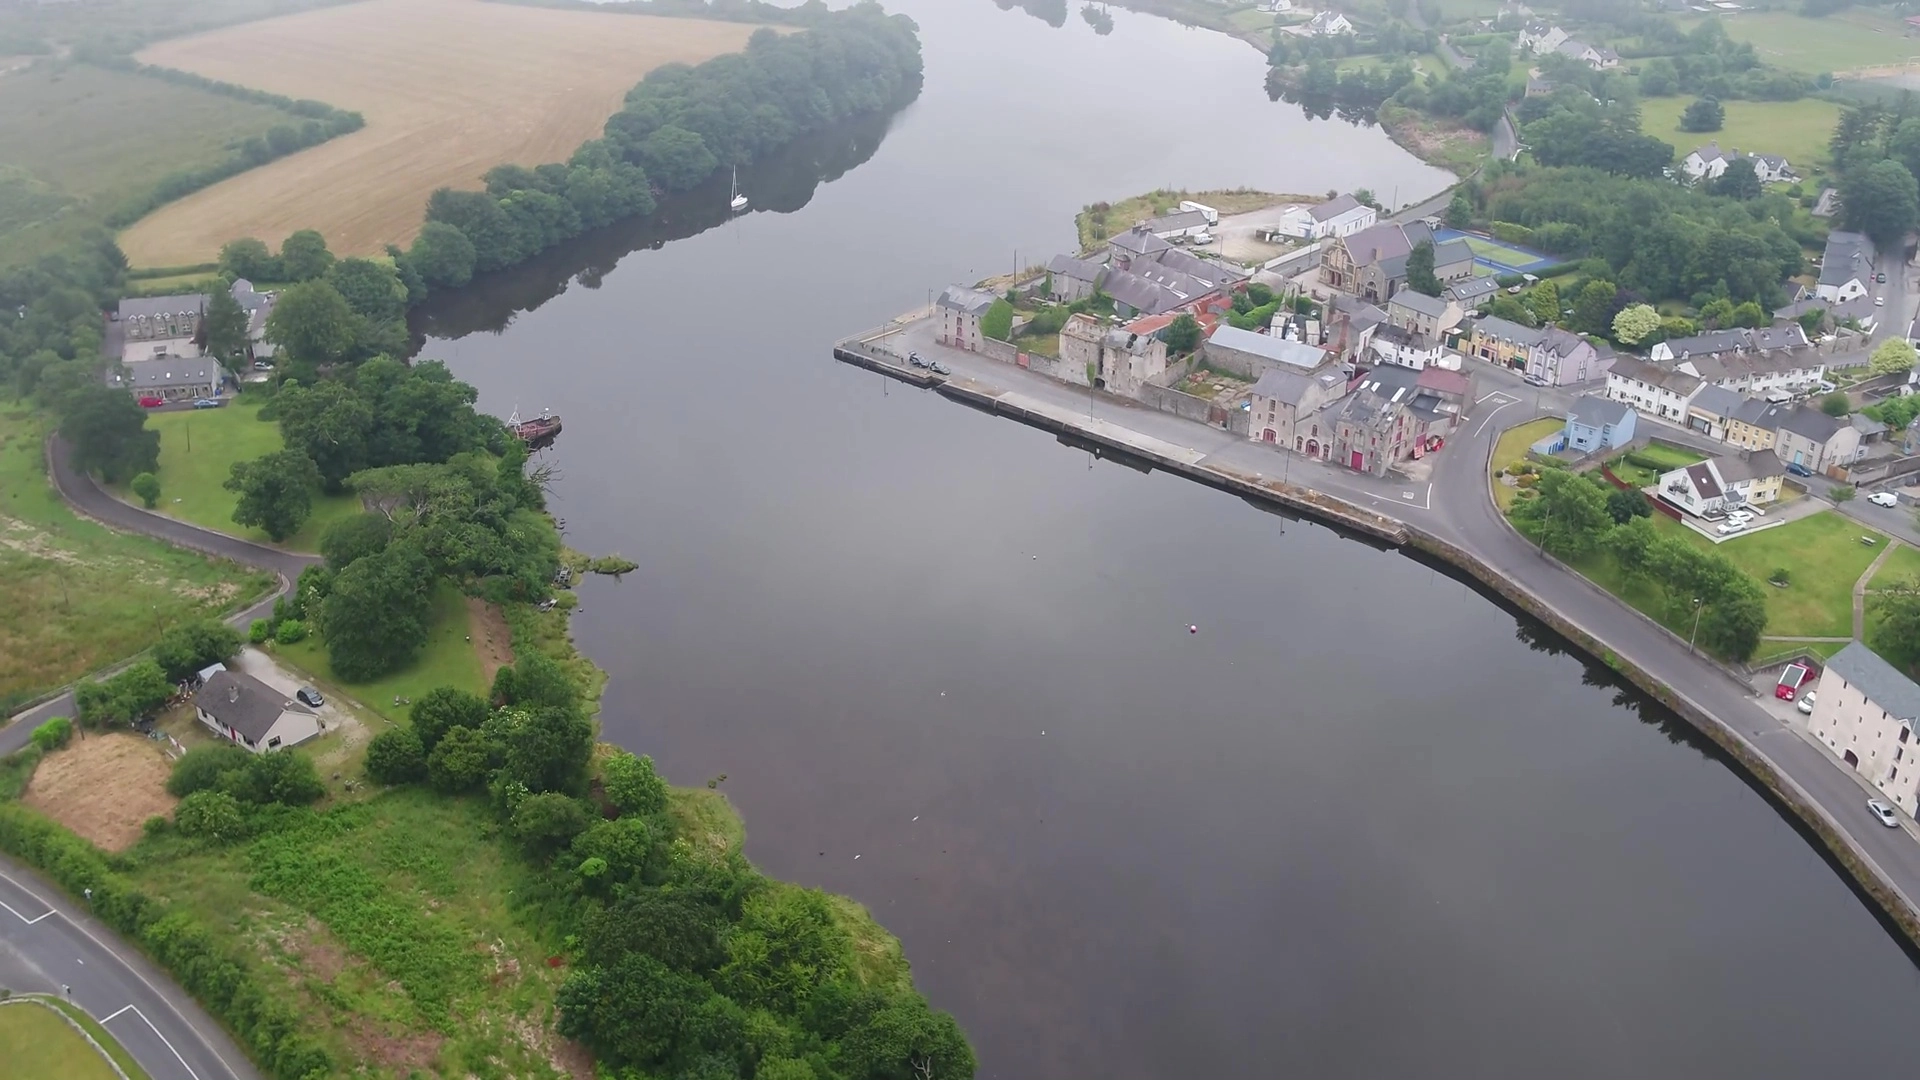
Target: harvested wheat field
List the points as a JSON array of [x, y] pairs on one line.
[[449, 89], [103, 787]]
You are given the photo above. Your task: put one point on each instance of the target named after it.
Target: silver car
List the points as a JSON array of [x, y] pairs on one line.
[[1884, 813]]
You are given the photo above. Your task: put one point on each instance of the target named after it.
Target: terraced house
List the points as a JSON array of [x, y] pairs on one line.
[[1652, 389], [1864, 713]]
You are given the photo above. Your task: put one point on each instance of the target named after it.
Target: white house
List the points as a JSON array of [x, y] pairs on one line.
[[1654, 390], [1747, 478], [1705, 162], [1340, 216], [1328, 24], [1597, 57], [1864, 713], [1540, 38], [1182, 225], [241, 708], [1772, 168], [1845, 267], [960, 312], [1757, 374], [1405, 348]]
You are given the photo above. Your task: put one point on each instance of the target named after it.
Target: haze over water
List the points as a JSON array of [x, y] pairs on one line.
[[1356, 826]]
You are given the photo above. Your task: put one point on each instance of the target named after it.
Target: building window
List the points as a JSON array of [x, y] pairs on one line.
[[275, 741]]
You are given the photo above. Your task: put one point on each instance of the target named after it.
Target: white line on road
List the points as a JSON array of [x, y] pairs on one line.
[[1477, 432], [1501, 394], [163, 1038]]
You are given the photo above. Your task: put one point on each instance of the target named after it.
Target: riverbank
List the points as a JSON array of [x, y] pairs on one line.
[[1456, 525]]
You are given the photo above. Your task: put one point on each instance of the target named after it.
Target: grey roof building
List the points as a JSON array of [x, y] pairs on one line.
[[240, 707], [966, 301], [1759, 464], [1811, 424], [1472, 291], [1138, 241], [1180, 223], [1597, 412], [1880, 681], [172, 378], [1412, 300], [1297, 355], [1333, 207], [1848, 256]]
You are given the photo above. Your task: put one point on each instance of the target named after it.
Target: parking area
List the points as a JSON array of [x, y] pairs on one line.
[[1768, 517]]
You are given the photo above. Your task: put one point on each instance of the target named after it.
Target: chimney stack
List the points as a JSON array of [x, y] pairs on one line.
[[233, 692]]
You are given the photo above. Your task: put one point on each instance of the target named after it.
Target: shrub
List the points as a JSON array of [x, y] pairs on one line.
[[202, 768], [547, 822], [290, 632], [212, 814], [277, 776], [632, 785], [260, 632], [1781, 576], [460, 761], [444, 708], [186, 649], [147, 486], [395, 756], [1840, 493], [53, 734]]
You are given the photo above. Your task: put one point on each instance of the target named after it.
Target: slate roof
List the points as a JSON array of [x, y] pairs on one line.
[[1288, 386], [1494, 327], [1377, 243], [1866, 425], [1742, 365], [1849, 255], [1078, 269], [1715, 400], [1138, 241], [1419, 302], [1754, 412], [1759, 464], [1677, 382], [1212, 271], [1140, 294], [1473, 290], [1708, 153], [244, 703], [1295, 354], [1880, 681], [1361, 315], [135, 306], [1562, 342], [1705, 481], [1594, 412], [966, 301], [1713, 341], [1812, 424], [170, 371], [1177, 222], [1448, 252], [1333, 208], [1442, 381]]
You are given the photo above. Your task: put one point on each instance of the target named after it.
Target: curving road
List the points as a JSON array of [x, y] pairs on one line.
[[86, 497]]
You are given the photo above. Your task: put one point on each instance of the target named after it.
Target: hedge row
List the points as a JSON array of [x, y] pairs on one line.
[[211, 967]]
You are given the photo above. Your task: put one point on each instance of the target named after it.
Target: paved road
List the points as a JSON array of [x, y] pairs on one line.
[[87, 497], [46, 944], [1452, 501]]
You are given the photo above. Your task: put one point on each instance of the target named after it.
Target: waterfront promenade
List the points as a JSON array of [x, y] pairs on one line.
[[1446, 510]]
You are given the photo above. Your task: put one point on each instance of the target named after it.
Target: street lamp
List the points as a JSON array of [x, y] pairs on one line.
[[1698, 608]]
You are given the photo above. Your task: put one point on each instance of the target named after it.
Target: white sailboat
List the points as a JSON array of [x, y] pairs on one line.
[[739, 202]]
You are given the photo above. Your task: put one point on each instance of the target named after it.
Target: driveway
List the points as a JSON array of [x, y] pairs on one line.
[[87, 498], [268, 670]]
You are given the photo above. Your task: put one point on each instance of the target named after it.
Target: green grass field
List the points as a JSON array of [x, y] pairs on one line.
[[1512, 449], [1902, 565], [1796, 130], [448, 659], [96, 138], [36, 1044], [1823, 554], [76, 596], [1842, 42], [1668, 458], [197, 450], [1499, 252]]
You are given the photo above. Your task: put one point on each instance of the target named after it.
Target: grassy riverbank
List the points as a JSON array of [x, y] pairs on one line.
[[1098, 221]]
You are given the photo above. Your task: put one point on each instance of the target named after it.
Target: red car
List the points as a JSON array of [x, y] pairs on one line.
[[1791, 680], [152, 402]]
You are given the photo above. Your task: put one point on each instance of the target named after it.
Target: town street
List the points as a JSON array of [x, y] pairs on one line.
[[85, 497], [48, 944], [1454, 503]]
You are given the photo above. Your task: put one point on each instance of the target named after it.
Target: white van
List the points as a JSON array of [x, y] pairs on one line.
[[1208, 212]]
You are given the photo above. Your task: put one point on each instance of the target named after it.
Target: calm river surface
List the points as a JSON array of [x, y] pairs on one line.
[[1357, 826]]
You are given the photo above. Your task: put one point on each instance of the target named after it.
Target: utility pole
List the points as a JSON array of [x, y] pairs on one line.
[[1698, 608], [1543, 531]]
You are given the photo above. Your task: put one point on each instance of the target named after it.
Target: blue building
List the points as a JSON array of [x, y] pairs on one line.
[[1595, 423]]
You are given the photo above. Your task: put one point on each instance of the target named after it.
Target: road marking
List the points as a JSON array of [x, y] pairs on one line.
[[163, 1038], [23, 918], [136, 973], [1501, 394], [1477, 432]]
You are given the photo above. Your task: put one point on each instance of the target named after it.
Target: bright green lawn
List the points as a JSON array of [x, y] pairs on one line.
[[76, 597], [36, 1044], [1668, 458], [1512, 449], [448, 659], [1824, 555], [1902, 565], [1837, 43], [1796, 130], [197, 450]]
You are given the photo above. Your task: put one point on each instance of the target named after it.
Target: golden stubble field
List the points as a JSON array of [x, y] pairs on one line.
[[449, 88]]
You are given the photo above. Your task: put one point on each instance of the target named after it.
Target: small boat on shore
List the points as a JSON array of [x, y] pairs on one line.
[[537, 432]]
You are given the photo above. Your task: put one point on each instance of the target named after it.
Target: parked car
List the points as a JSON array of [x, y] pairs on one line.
[[1805, 704], [1791, 680], [1884, 813], [1203, 239], [1798, 469], [1884, 498], [1880, 279], [939, 368], [151, 402], [263, 365], [914, 359], [1730, 528], [1534, 380], [206, 403], [1879, 301], [310, 697]]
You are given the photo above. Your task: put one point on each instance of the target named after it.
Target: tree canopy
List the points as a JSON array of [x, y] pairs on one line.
[[109, 434], [276, 492]]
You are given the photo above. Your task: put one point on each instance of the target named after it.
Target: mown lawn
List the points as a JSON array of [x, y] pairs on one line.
[[1902, 565], [448, 659], [1661, 458], [76, 597], [198, 448], [1838, 43], [35, 1043], [1796, 130], [1824, 556], [1512, 449]]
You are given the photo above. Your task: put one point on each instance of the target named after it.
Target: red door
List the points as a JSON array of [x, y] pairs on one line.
[[1355, 463], [1268, 435]]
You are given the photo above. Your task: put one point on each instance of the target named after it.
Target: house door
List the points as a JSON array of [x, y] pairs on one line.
[[1354, 462], [1851, 758], [1269, 435]]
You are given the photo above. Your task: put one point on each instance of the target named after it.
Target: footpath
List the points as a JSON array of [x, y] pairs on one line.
[[1451, 518]]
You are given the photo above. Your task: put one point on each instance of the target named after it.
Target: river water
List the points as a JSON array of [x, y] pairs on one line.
[[1366, 822]]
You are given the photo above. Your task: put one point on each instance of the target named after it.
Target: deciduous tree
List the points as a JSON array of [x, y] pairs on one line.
[[632, 785], [313, 323], [191, 647], [108, 432], [442, 255], [249, 258], [147, 486], [304, 256], [395, 756], [1891, 355], [373, 290], [225, 328], [375, 618], [276, 492], [1420, 276], [350, 538], [444, 708], [1634, 322], [1880, 200], [1739, 181]]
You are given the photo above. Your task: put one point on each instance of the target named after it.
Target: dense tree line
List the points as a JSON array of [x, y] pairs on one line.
[[677, 127], [1475, 96], [1706, 62], [1570, 128], [1876, 150]]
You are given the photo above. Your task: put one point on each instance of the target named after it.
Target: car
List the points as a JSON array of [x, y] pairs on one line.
[[1730, 528], [1805, 704], [1513, 290], [1884, 498], [1879, 301], [914, 359], [1884, 813], [1798, 469], [1203, 239], [206, 403], [1535, 380], [263, 365], [1880, 279], [939, 368], [1792, 679], [151, 402], [310, 697]]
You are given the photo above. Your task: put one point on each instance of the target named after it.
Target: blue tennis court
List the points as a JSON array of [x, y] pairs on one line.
[[1500, 256]]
